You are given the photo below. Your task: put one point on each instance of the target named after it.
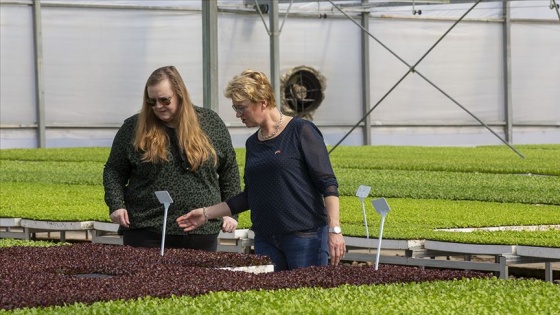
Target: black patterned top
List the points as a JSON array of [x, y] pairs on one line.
[[130, 183], [286, 179]]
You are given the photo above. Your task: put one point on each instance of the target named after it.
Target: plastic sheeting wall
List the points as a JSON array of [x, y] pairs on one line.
[[96, 61]]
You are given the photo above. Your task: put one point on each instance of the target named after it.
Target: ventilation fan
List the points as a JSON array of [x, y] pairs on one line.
[[302, 91]]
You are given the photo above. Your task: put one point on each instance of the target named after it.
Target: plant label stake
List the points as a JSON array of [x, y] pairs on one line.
[[165, 199], [363, 192], [382, 208]]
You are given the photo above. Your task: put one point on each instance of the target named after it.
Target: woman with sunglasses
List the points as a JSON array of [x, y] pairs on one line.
[[175, 146], [290, 185]]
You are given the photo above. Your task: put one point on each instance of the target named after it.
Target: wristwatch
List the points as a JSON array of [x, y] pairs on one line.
[[335, 230]]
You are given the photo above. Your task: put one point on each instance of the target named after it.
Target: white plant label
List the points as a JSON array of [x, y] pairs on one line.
[[381, 206], [165, 198], [363, 191]]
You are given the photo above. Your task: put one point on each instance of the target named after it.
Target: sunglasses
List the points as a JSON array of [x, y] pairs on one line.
[[163, 101], [239, 109]]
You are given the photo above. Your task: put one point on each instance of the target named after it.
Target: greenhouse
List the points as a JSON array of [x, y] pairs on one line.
[[440, 117]]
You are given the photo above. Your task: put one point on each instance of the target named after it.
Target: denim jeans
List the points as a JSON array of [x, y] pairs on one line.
[[295, 250]]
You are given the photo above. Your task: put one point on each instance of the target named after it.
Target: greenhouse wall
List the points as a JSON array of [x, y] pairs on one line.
[[87, 62]]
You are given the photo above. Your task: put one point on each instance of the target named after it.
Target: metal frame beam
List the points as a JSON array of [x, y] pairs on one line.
[[507, 72], [39, 87], [210, 54], [412, 69], [366, 94]]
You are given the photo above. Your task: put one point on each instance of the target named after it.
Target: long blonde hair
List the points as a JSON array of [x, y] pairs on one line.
[[251, 86], [151, 137]]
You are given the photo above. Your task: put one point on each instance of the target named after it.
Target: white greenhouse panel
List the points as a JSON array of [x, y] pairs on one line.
[[96, 57]]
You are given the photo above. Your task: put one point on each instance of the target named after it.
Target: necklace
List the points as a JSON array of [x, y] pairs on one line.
[[275, 130]]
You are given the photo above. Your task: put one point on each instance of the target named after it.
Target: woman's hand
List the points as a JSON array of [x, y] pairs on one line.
[[191, 220], [120, 216], [337, 248], [229, 225]]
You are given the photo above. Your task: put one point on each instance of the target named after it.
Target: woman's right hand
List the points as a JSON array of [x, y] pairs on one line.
[[120, 216], [191, 220]]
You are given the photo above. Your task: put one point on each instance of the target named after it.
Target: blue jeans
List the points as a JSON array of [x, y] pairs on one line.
[[295, 250]]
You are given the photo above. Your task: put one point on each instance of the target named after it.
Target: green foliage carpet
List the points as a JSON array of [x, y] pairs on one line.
[[427, 189]]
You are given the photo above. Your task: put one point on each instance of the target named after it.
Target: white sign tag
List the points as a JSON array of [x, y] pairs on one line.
[[164, 197], [381, 206], [363, 191]]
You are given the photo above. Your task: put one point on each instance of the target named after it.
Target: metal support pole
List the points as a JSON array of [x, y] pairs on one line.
[[548, 272], [210, 54], [39, 88], [366, 94], [507, 72], [274, 51]]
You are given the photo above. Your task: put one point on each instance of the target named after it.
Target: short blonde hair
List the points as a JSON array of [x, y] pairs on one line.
[[251, 86]]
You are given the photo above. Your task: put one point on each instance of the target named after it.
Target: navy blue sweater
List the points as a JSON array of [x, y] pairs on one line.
[[286, 179]]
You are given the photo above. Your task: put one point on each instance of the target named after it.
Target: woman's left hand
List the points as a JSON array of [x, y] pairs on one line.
[[337, 248], [229, 225]]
